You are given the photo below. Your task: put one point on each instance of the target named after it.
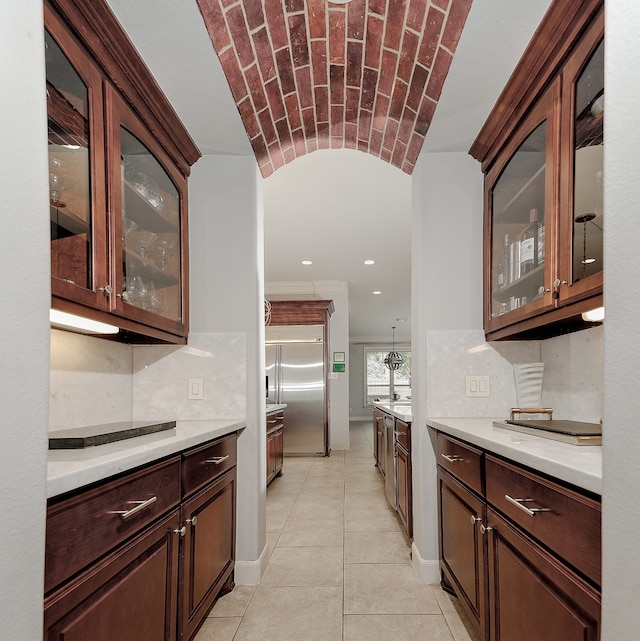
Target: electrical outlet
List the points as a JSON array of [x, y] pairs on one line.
[[477, 386], [195, 389]]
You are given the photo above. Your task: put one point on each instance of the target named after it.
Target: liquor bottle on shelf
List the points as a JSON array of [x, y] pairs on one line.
[[529, 244], [514, 260], [503, 266], [541, 244]]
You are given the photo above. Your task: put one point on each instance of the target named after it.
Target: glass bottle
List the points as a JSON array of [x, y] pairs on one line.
[[529, 244], [503, 266]]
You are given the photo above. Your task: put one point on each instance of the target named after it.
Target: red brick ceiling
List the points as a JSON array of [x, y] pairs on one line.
[[308, 74]]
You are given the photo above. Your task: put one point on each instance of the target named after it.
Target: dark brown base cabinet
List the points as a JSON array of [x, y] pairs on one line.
[[378, 439], [402, 457], [275, 444], [520, 576], [143, 556], [130, 595], [404, 481]]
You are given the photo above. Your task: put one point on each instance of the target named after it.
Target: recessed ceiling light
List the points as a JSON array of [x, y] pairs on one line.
[[338, 1], [377, 292], [307, 262], [369, 262]]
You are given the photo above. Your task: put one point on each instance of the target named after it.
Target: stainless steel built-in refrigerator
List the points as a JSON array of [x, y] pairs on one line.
[[295, 375]]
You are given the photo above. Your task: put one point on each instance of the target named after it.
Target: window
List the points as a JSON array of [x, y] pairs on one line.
[[381, 382]]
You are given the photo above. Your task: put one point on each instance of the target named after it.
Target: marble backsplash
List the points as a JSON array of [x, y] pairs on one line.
[[572, 383], [94, 381], [161, 373]]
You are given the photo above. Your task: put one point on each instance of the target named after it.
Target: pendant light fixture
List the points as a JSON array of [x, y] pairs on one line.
[[393, 360]]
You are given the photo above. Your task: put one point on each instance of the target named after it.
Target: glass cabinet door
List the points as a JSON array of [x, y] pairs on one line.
[[76, 253], [581, 266], [148, 228], [521, 216]]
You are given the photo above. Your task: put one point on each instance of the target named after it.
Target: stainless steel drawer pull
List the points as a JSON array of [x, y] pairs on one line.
[[182, 531], [273, 421], [475, 519], [125, 514], [401, 433], [530, 511], [484, 529], [217, 460], [193, 520], [452, 458]]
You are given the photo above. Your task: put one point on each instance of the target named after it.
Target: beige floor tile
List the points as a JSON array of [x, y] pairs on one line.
[[277, 515], [293, 614], [324, 481], [285, 485], [304, 566], [396, 627], [313, 492], [272, 540], [221, 629], [322, 533], [364, 497], [371, 520], [458, 620], [303, 511], [386, 589], [233, 604], [376, 547]]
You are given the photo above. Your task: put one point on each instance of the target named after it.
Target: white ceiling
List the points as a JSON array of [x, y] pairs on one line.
[[335, 207]]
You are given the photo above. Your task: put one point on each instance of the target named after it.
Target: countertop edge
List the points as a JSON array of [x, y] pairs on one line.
[[69, 470], [579, 465], [394, 410]]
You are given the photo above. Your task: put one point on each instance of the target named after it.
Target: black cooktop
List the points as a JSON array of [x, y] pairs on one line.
[[81, 437], [575, 432]]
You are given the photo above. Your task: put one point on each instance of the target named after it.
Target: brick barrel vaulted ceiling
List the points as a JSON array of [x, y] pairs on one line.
[[309, 74]]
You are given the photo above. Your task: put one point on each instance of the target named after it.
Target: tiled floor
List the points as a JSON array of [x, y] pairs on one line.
[[340, 567]]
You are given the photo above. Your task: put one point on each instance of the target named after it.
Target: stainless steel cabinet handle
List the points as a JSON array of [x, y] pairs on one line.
[[557, 282], [125, 514], [273, 421], [193, 520], [107, 289], [217, 460], [475, 519], [182, 531], [486, 529], [401, 433], [452, 458], [530, 511]]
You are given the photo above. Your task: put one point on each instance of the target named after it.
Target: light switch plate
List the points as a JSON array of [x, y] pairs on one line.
[[477, 386], [195, 389]]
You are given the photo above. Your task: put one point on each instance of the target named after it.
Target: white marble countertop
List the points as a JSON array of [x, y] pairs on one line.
[[401, 410], [70, 469], [580, 465], [274, 407]]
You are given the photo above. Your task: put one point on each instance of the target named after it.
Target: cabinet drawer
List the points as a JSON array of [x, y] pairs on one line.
[[461, 460], [403, 434], [275, 421], [205, 463], [82, 528], [564, 521]]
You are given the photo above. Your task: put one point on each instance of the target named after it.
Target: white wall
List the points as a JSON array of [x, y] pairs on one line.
[[24, 321], [446, 295], [621, 487], [226, 292]]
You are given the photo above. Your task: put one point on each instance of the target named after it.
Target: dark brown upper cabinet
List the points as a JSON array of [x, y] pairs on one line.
[[119, 160], [541, 151]]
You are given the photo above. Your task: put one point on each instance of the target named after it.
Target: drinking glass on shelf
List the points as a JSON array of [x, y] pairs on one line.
[[154, 299], [146, 240], [127, 227], [136, 290], [165, 249]]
